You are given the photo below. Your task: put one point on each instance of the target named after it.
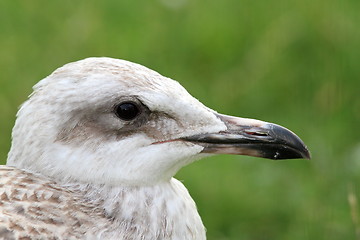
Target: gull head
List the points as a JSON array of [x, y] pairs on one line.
[[110, 121]]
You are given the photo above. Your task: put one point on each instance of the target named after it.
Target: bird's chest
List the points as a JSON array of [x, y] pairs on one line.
[[152, 214]]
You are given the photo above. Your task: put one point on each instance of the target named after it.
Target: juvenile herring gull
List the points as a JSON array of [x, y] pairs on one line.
[[95, 148]]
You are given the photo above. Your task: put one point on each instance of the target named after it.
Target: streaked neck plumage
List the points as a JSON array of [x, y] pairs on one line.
[[163, 211]]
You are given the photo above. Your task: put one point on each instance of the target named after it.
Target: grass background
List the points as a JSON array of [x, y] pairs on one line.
[[292, 62]]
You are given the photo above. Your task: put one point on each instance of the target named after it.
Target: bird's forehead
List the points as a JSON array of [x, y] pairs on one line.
[[96, 78], [105, 73]]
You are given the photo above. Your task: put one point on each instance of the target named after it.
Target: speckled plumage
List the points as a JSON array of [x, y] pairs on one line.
[[34, 207]]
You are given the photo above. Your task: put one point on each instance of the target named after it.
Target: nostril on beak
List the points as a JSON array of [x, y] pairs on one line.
[[256, 133]]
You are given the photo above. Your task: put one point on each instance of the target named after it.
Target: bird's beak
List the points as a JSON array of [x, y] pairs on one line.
[[252, 137]]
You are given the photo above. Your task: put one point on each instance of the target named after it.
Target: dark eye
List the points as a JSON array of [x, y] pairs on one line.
[[127, 111]]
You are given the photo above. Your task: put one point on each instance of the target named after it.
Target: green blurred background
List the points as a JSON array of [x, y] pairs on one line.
[[292, 62]]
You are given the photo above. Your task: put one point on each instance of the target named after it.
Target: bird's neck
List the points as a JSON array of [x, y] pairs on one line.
[[163, 211]]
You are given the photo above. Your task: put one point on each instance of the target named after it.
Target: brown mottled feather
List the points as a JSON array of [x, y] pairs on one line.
[[33, 207]]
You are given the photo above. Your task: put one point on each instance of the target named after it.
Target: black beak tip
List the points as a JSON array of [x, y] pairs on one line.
[[288, 144], [285, 152], [306, 154]]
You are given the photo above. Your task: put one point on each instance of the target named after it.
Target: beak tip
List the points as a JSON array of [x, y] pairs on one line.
[[292, 146], [275, 152], [307, 154]]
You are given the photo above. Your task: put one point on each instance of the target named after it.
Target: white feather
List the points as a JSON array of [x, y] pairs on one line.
[[67, 132]]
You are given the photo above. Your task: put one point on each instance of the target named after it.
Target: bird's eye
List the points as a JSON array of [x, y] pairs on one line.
[[127, 111]]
